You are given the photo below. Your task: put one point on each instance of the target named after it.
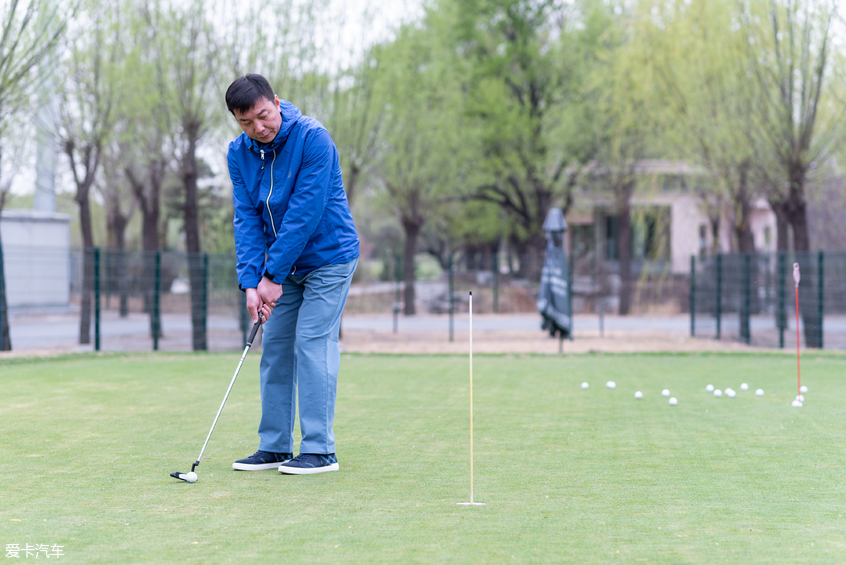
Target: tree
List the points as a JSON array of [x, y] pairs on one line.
[[144, 134], [420, 154], [700, 63], [91, 93], [115, 192], [190, 65], [525, 57], [29, 31], [797, 119], [788, 58], [623, 112]]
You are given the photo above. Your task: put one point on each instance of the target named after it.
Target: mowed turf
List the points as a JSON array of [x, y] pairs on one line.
[[87, 443]]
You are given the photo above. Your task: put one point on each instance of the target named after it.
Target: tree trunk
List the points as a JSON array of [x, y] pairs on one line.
[[778, 208], [742, 211], [116, 274], [715, 234], [530, 254], [743, 231], [624, 194], [149, 201], [412, 230], [624, 238], [87, 265], [352, 182], [6, 342], [192, 242], [796, 212]]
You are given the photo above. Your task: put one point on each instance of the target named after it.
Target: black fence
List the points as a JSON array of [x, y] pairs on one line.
[[752, 298], [103, 299]]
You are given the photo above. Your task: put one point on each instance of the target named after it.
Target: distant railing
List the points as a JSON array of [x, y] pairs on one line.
[[752, 298]]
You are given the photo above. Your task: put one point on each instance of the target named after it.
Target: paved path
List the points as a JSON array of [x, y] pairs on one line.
[[430, 333]]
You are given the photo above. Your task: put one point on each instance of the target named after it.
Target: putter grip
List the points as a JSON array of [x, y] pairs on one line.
[[254, 332]]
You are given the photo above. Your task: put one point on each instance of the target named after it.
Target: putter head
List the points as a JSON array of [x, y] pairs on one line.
[[187, 477]]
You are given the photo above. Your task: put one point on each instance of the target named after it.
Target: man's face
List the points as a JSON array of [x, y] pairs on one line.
[[262, 121]]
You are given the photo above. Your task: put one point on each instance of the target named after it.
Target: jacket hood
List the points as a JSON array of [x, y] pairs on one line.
[[290, 115]]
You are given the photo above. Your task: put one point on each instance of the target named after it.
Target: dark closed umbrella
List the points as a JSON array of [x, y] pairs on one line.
[[554, 300]]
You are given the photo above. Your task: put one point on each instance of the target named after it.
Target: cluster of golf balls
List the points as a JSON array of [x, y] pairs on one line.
[[729, 392], [638, 395]]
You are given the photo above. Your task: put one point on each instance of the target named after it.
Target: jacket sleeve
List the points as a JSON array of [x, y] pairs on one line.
[[306, 205], [249, 230]]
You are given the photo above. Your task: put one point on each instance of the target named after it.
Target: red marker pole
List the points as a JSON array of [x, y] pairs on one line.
[[796, 278]]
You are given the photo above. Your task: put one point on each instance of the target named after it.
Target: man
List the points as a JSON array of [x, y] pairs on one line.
[[297, 249]]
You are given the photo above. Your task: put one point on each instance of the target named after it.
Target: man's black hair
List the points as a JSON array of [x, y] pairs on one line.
[[246, 91]]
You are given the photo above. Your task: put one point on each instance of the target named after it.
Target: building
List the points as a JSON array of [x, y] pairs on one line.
[[670, 223]]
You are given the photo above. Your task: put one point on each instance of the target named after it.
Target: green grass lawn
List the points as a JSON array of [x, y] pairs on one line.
[[87, 443]]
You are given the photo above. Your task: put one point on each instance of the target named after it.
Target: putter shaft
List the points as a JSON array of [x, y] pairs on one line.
[[228, 390]]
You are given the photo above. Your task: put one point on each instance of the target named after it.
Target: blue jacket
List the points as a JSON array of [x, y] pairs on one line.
[[291, 211]]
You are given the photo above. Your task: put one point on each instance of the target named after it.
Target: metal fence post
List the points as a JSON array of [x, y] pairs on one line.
[[820, 297], [495, 282], [397, 277], [747, 303], [719, 310], [108, 270], [157, 284], [782, 315], [451, 301], [96, 299], [570, 294], [205, 297], [2, 301], [692, 295]]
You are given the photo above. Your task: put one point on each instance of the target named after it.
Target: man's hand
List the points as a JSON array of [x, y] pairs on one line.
[[254, 304]]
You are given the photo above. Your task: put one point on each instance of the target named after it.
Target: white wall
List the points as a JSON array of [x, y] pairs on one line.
[[36, 258]]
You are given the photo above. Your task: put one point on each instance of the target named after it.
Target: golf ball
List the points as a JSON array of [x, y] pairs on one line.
[[673, 401], [638, 395], [796, 404], [665, 393], [191, 477], [585, 386], [730, 393], [718, 393], [800, 398], [709, 388], [744, 386], [803, 389], [611, 384], [759, 392]]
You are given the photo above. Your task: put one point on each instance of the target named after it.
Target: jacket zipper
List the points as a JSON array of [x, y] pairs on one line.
[[270, 193]]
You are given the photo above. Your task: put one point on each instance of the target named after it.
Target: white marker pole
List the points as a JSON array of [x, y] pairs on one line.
[[471, 503]]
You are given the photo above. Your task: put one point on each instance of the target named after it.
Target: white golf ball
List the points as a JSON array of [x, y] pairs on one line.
[[611, 384], [803, 389], [800, 398], [796, 404], [673, 401], [730, 393], [191, 477], [718, 393], [665, 393], [759, 392], [585, 386], [744, 386], [709, 388], [638, 395]]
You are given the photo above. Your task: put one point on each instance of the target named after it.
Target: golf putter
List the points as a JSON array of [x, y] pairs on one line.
[[192, 476]]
